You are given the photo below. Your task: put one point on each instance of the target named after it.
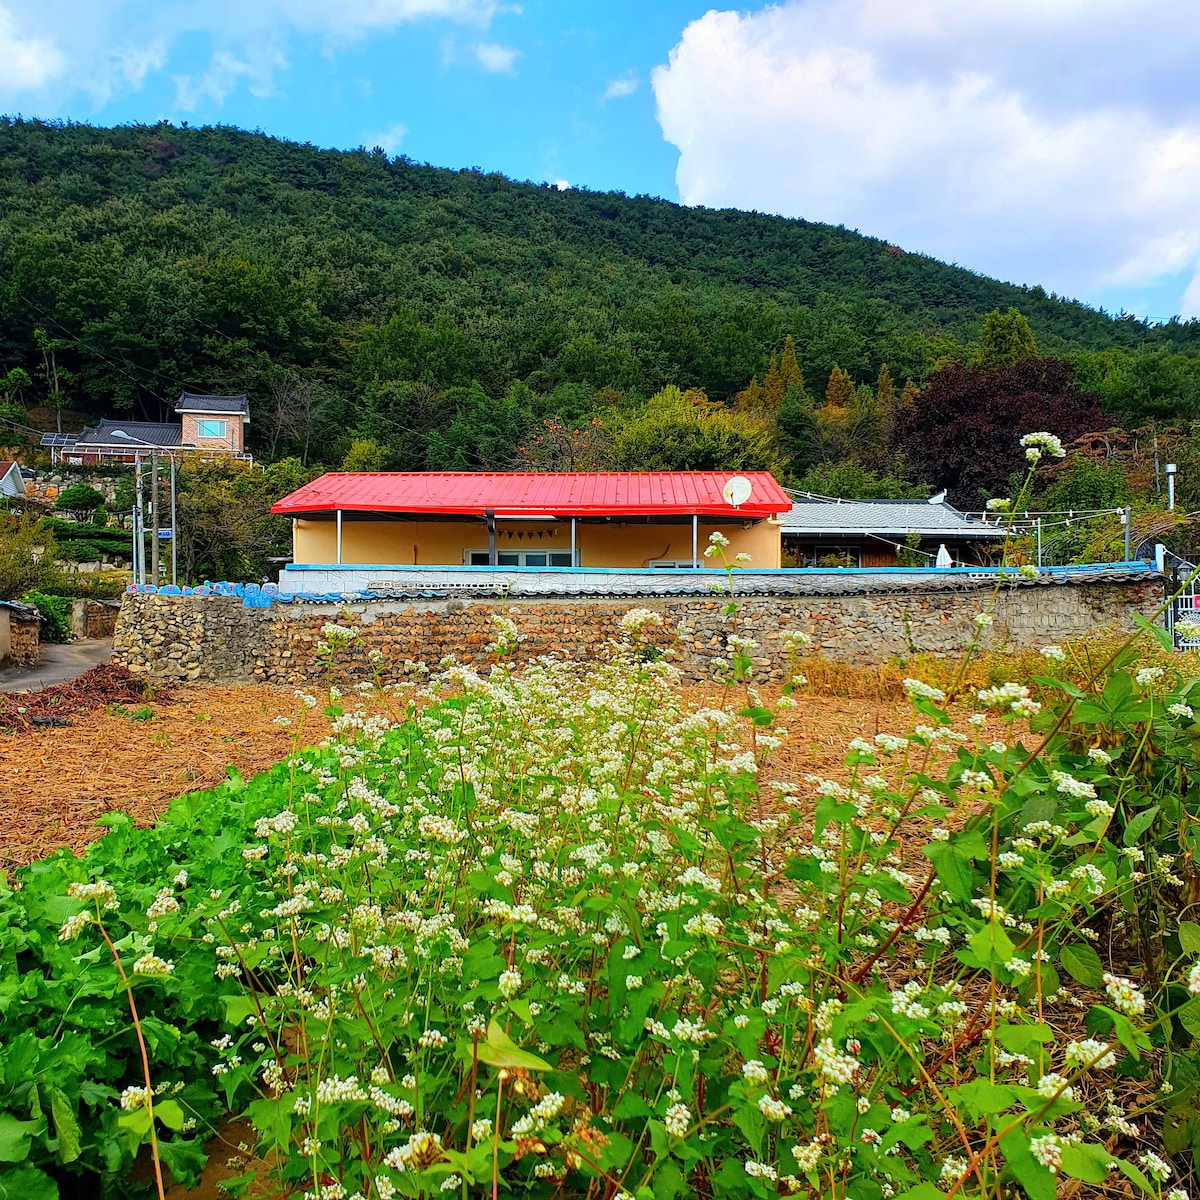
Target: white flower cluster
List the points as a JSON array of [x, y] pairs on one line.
[[754, 1072], [1090, 1053], [540, 1115], [1037, 444], [836, 1067], [1053, 1084], [421, 1150], [134, 1097], [440, 829], [334, 1090], [791, 640], [1124, 995], [923, 691], [163, 904], [1047, 1149], [637, 620], [808, 1155], [1080, 789], [678, 1120], [100, 892], [73, 926], [773, 1109], [1015, 695], [151, 964]]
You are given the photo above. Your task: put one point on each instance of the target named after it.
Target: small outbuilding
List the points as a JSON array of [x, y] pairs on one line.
[[12, 482], [871, 533], [616, 520], [20, 634]]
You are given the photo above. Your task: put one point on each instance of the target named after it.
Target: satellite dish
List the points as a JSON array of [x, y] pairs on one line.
[[737, 491], [940, 498]]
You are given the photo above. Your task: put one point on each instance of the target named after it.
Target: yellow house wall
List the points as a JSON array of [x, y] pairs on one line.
[[443, 543]]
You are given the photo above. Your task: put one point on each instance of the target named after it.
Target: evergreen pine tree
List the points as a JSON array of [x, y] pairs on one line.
[[773, 388], [789, 368], [1005, 339], [886, 401], [839, 389], [885, 389], [796, 429], [750, 398]]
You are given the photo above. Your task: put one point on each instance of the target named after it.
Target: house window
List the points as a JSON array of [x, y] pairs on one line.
[[672, 564], [210, 429], [830, 556], [520, 558]]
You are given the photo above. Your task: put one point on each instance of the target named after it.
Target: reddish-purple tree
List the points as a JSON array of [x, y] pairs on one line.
[[962, 432]]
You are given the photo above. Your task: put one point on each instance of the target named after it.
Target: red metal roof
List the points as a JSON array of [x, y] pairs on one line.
[[597, 494]]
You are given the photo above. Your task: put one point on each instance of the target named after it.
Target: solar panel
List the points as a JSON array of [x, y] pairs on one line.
[[59, 439]]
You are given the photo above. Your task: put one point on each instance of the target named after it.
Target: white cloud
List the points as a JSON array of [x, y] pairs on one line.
[[1053, 141], [499, 60], [562, 185], [622, 86], [390, 139], [106, 47], [25, 62], [225, 72], [1189, 306], [350, 18]]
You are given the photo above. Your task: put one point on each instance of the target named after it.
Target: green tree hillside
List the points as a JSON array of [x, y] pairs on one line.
[[356, 296]]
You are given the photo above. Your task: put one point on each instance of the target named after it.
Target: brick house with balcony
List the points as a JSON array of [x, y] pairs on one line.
[[213, 422]]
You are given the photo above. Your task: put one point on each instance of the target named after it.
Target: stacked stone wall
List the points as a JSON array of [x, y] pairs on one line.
[[216, 639], [24, 642]]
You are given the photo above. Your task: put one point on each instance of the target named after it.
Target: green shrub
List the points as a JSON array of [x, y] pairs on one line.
[[28, 552], [56, 615], [79, 499]]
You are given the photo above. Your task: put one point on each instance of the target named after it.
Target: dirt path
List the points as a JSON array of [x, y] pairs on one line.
[[58, 664]]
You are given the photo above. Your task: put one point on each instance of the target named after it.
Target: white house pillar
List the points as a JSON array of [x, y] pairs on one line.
[[339, 537]]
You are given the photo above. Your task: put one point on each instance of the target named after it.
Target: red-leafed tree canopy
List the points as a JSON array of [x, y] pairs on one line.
[[962, 432]]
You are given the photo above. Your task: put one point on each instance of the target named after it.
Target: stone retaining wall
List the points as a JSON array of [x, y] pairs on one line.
[[22, 645], [216, 639], [93, 618]]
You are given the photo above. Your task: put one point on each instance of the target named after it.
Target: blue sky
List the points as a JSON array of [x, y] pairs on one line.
[[1041, 141], [554, 91]]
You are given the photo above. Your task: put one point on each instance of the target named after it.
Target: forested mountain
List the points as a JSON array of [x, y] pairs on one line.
[[454, 317]]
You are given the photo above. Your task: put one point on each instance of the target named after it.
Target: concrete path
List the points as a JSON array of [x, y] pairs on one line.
[[58, 664]]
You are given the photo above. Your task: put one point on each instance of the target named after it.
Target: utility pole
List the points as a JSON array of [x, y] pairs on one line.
[[139, 556], [1126, 520], [154, 517], [174, 528]]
